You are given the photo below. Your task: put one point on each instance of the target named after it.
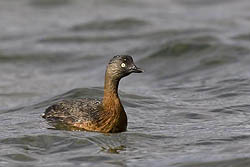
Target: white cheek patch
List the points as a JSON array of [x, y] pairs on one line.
[[123, 65]]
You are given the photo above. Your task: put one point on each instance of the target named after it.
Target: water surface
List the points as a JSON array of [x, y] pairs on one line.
[[189, 109]]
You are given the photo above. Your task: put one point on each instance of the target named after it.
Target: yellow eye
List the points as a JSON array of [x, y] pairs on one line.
[[123, 65]]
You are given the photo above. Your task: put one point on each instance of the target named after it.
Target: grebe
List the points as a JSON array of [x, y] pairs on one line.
[[106, 115]]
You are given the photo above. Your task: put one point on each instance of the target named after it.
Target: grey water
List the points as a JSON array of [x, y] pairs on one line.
[[191, 107]]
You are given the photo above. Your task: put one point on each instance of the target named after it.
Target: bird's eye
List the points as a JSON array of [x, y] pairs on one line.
[[123, 65]]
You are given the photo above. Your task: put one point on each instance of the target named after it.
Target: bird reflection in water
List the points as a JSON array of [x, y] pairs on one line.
[[111, 143]]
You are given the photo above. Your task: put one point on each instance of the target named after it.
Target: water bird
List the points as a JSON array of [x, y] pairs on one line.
[[106, 115]]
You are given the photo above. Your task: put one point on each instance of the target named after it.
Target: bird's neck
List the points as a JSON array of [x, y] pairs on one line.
[[113, 109], [110, 88]]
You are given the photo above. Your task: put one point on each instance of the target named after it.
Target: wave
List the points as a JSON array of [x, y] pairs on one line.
[[110, 25]]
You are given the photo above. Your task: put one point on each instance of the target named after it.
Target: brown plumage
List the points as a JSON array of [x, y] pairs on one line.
[[107, 115]]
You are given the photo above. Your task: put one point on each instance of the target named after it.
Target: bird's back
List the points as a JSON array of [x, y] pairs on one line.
[[74, 111]]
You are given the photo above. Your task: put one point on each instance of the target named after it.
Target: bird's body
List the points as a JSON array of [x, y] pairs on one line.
[[106, 115], [89, 115]]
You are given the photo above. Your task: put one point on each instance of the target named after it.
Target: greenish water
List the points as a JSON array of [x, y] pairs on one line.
[[191, 107]]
